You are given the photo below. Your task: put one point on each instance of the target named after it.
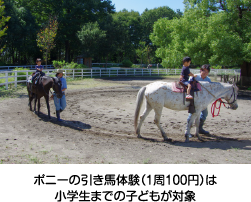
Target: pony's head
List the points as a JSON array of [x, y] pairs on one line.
[[231, 97], [57, 87]]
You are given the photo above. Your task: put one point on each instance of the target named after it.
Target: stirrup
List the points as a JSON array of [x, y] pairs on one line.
[[189, 97]]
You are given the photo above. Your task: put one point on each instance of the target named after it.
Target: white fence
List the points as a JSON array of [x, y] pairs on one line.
[[4, 68], [11, 77]]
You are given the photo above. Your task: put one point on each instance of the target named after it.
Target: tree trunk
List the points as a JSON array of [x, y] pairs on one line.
[[246, 73], [46, 59]]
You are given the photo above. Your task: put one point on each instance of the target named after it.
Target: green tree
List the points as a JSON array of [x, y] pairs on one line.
[[149, 17], [46, 37], [71, 15], [3, 21], [90, 36], [21, 46], [128, 25], [215, 32]]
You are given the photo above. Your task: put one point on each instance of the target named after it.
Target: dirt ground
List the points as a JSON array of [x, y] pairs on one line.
[[98, 128]]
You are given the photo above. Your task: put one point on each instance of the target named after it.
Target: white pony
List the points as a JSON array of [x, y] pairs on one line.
[[160, 94]]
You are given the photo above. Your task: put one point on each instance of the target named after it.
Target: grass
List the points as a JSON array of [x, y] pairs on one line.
[[13, 92], [75, 84], [86, 83]]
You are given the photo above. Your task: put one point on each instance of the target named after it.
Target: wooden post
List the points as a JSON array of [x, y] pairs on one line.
[[16, 79], [6, 80]]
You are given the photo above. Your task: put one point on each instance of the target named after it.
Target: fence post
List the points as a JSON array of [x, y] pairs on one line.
[[126, 72], [158, 72], [100, 72], [91, 73], [117, 72], [65, 74], [6, 80], [73, 73], [150, 72], [27, 76], [109, 72], [134, 72], [16, 79], [82, 73]]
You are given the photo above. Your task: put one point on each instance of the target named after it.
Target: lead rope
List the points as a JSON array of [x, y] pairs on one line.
[[213, 107]]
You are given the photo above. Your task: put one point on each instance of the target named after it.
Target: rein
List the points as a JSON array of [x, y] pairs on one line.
[[214, 105]]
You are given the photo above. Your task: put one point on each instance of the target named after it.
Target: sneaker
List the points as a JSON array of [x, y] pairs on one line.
[[189, 97]]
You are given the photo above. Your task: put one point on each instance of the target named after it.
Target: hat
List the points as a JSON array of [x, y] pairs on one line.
[[59, 71]]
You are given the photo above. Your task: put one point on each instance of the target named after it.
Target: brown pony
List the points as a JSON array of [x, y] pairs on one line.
[[41, 89]]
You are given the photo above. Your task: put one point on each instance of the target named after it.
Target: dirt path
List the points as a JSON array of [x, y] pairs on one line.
[[98, 128]]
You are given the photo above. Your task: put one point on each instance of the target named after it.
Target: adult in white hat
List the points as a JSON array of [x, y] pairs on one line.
[[60, 103]]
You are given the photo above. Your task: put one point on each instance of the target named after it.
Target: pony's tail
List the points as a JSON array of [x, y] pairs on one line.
[[139, 101]]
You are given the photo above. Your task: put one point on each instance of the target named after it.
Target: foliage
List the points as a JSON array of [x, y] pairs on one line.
[[208, 32], [73, 65], [58, 64], [46, 36], [21, 46], [126, 63], [90, 36], [3, 21], [216, 67], [65, 65]]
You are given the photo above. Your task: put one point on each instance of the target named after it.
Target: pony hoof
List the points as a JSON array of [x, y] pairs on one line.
[[187, 137], [168, 140], [139, 136]]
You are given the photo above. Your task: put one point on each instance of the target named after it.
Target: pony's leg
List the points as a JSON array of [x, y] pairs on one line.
[[142, 118], [197, 123], [48, 106], [158, 112], [35, 103], [38, 107], [30, 100], [188, 127]]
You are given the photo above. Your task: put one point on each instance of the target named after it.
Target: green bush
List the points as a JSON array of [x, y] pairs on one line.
[[126, 63], [216, 67], [136, 66], [65, 65], [58, 64]]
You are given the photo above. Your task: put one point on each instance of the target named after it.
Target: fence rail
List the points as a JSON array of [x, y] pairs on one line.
[[4, 68], [15, 77]]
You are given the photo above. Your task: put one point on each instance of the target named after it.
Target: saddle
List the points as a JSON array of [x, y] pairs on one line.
[[180, 87]]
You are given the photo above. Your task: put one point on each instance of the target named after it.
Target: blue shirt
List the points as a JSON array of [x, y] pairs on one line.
[[39, 67], [198, 78], [63, 81], [184, 72]]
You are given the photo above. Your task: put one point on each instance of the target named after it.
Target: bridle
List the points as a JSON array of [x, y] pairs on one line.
[[232, 95]]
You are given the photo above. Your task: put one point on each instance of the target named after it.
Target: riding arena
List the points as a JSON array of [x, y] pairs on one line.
[[98, 127]]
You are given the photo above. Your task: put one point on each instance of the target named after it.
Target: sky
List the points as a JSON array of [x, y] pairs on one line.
[[141, 5]]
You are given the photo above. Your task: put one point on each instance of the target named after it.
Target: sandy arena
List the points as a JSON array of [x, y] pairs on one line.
[[98, 128]]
